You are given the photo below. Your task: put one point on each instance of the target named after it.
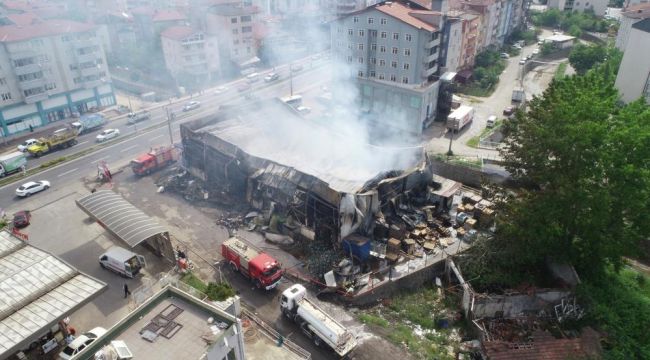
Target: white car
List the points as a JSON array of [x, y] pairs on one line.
[[29, 142], [80, 343], [536, 51], [303, 109], [107, 134], [191, 105], [271, 76], [220, 90], [32, 187]]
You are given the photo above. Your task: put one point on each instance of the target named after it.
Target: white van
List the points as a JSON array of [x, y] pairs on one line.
[[251, 78], [491, 120], [122, 261], [295, 100]]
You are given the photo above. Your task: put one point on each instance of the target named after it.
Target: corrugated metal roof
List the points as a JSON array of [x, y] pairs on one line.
[[120, 217], [37, 289]]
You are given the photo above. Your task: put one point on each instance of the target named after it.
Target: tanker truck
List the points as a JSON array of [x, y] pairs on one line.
[[314, 322]]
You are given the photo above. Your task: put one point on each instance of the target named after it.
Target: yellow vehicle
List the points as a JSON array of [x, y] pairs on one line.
[[60, 139]]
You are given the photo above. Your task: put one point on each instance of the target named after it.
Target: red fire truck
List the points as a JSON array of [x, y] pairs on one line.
[[153, 160], [263, 270]]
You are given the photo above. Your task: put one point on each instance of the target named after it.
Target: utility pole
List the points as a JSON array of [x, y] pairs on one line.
[[291, 78], [451, 137], [169, 125]]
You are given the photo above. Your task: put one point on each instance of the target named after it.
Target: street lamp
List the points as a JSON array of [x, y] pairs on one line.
[[169, 125], [451, 138]]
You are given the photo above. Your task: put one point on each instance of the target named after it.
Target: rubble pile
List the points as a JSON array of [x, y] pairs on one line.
[[321, 257], [180, 181]]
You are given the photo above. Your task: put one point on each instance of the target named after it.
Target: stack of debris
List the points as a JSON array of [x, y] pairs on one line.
[[180, 181]]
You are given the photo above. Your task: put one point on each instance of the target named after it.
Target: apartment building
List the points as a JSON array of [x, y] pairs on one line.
[[471, 27], [191, 56], [498, 18], [49, 70], [630, 16], [599, 7], [393, 50], [234, 24], [633, 79]]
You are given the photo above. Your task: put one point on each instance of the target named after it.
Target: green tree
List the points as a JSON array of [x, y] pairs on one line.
[[547, 48], [574, 30], [585, 57]]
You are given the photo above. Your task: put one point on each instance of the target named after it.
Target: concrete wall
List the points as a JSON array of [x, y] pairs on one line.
[[515, 305], [634, 73], [463, 174]]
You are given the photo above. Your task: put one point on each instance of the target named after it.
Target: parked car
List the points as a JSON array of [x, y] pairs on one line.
[[303, 109], [220, 90], [22, 218], [138, 116], [107, 134], [271, 77], [27, 143], [508, 111], [536, 51], [491, 120], [296, 67], [251, 78], [522, 61], [243, 87], [32, 187], [540, 42], [505, 56], [80, 343], [191, 105]]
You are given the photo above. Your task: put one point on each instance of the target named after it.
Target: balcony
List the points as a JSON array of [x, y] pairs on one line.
[[89, 71], [89, 84], [82, 58], [80, 44], [429, 72], [430, 58], [30, 84], [27, 69], [36, 97], [432, 43]]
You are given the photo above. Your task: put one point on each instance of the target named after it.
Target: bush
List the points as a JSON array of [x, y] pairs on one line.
[[219, 291]]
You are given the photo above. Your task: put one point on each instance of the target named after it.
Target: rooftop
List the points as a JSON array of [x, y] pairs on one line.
[[233, 9], [178, 32], [46, 28], [643, 25], [415, 18], [638, 11], [274, 131], [559, 38], [37, 289], [23, 19], [168, 15]]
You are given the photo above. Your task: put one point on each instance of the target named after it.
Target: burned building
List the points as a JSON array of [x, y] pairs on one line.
[[322, 183]]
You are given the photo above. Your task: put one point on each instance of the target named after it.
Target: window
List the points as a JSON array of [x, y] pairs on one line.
[[349, 59], [246, 18], [383, 34], [233, 20], [395, 51], [6, 96], [381, 76], [350, 46], [383, 21], [382, 62], [350, 32], [407, 37], [406, 66], [65, 38], [405, 80], [202, 57], [372, 73], [355, 19], [360, 60], [188, 58], [373, 61], [373, 47], [50, 86], [407, 52], [395, 36], [246, 29], [235, 31], [360, 73], [393, 78], [360, 46], [3, 81], [372, 33], [362, 33], [371, 20], [393, 64], [235, 42], [382, 49]]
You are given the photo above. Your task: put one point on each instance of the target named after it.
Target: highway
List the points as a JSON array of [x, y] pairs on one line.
[[120, 151]]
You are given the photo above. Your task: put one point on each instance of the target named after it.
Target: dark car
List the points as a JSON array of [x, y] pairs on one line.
[[22, 218], [508, 111]]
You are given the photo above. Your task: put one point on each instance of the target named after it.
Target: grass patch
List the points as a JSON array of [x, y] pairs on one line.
[[370, 319], [410, 319], [474, 89], [214, 291], [53, 162], [559, 72], [193, 281], [619, 305], [473, 141]]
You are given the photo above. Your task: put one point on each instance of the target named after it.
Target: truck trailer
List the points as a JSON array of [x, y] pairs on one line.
[[88, 123], [60, 139], [314, 322], [12, 162], [460, 117], [122, 261], [154, 160], [263, 270]]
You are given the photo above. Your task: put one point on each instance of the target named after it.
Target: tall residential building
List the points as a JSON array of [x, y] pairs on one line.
[[470, 36], [631, 15], [394, 52], [499, 18], [633, 79], [234, 24], [599, 7], [48, 71], [191, 56]]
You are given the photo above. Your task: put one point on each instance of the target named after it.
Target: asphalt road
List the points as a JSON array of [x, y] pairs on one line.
[[118, 152]]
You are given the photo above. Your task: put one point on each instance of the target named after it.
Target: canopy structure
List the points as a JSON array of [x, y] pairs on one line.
[[125, 221], [37, 289]]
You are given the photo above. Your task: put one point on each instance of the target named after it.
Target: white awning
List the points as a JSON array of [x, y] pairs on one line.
[[37, 289]]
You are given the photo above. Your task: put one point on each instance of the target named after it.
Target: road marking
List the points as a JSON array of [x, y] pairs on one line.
[[129, 148], [100, 159], [83, 142], [155, 137], [68, 172]]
